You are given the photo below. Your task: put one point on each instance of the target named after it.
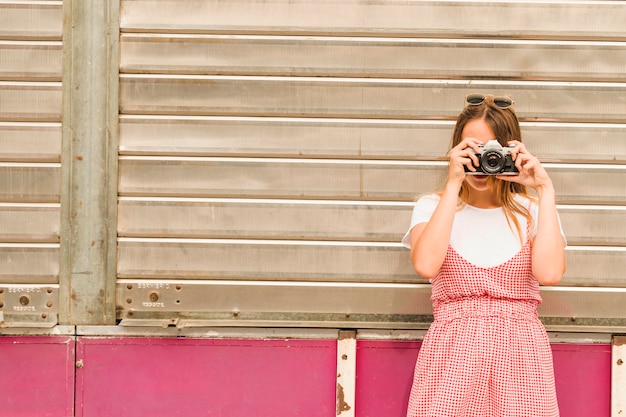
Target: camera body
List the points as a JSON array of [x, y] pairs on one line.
[[494, 159]]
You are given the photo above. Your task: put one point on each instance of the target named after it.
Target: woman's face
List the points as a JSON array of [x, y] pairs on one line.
[[479, 129]]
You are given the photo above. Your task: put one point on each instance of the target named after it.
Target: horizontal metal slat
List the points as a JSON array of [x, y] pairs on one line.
[[271, 178], [36, 263], [271, 219], [267, 260], [591, 19], [30, 182], [31, 19], [362, 98], [28, 61], [595, 266], [319, 261], [30, 142], [30, 101], [325, 220], [291, 303], [371, 57], [594, 225], [294, 304], [29, 222], [349, 138], [338, 179]]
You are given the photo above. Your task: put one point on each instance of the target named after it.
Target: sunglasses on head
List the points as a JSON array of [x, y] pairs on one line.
[[500, 101]]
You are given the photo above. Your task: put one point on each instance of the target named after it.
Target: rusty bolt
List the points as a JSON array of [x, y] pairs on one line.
[[153, 296], [24, 300]]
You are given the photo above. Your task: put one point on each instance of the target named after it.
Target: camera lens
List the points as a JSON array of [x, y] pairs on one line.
[[492, 162]]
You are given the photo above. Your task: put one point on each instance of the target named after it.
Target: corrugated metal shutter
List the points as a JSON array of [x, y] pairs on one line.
[[30, 170], [270, 151]]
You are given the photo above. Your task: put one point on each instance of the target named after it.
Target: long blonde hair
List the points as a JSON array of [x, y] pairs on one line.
[[505, 126]]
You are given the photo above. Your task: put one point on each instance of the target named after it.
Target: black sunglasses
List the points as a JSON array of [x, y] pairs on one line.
[[500, 101]]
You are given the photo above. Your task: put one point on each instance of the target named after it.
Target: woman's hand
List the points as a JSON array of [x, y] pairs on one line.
[[461, 156], [531, 172]]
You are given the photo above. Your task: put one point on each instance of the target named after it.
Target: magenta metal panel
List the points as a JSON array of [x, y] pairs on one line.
[[37, 376], [583, 379], [205, 377], [385, 372]]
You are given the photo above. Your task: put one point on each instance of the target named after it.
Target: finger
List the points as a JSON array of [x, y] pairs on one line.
[[518, 148]]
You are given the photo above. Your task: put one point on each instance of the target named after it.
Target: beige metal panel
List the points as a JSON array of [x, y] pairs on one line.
[[26, 19], [268, 136], [319, 261], [326, 220], [39, 142], [595, 266], [29, 263], [29, 222], [269, 219], [578, 304], [237, 303], [340, 179], [371, 57], [263, 259], [264, 177], [594, 225], [30, 101], [350, 138], [589, 183], [21, 60], [368, 98], [24, 182], [572, 19], [576, 141], [272, 303], [29, 306]]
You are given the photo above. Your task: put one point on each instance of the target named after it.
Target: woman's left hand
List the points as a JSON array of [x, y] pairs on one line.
[[531, 172]]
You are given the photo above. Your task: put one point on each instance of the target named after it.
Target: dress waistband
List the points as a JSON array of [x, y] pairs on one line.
[[485, 307]]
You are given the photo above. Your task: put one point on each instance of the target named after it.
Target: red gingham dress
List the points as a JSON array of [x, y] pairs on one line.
[[486, 354]]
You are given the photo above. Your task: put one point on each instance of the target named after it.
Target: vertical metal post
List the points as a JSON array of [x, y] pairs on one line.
[[618, 376], [89, 162], [346, 373]]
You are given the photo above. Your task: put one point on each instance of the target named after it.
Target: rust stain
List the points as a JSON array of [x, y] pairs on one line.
[[347, 334], [341, 401], [619, 340]]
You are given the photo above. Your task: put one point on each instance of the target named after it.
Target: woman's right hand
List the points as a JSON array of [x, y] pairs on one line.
[[461, 156]]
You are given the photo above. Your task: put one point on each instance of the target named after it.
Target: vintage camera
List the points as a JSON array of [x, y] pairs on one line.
[[494, 159]]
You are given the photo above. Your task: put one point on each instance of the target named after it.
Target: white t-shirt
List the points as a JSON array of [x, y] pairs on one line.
[[481, 236]]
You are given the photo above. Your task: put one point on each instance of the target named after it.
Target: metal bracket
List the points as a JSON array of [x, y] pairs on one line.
[[29, 305]]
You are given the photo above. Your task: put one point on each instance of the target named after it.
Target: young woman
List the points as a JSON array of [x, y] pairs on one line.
[[487, 246]]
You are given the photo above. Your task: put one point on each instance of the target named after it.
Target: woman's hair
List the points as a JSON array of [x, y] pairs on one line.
[[505, 126]]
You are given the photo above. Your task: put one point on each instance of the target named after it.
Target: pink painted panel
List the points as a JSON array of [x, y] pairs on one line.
[[37, 376], [583, 379], [385, 372], [205, 377]]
